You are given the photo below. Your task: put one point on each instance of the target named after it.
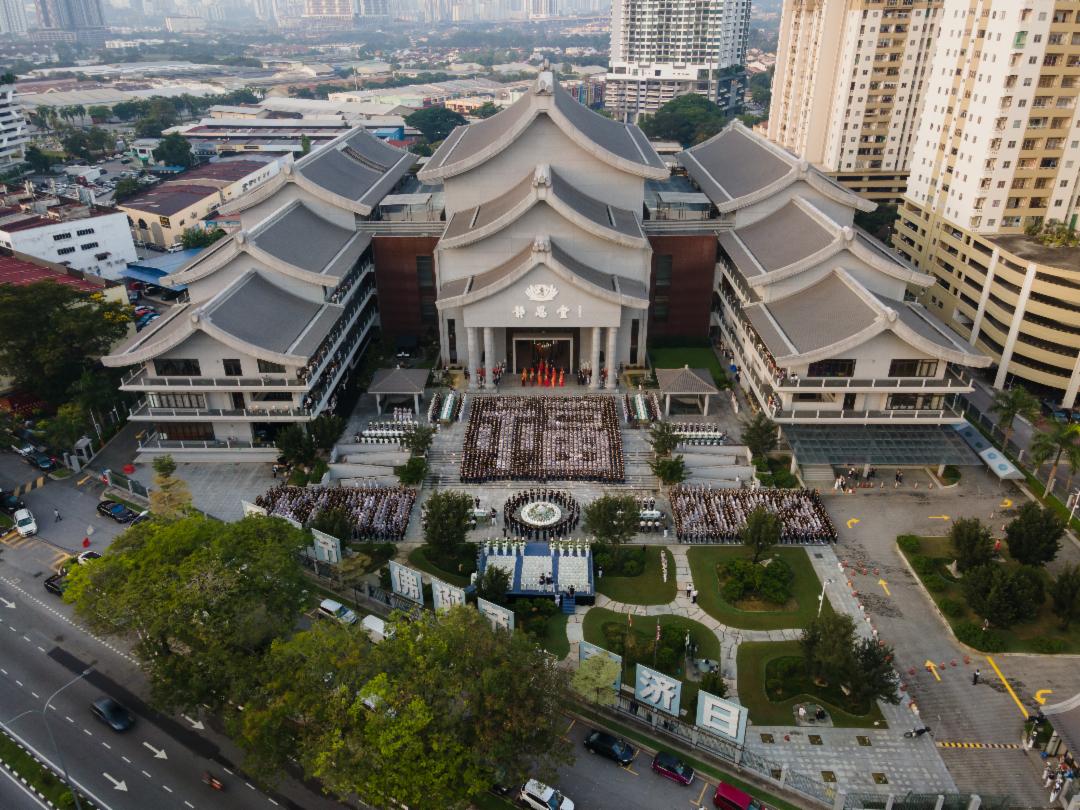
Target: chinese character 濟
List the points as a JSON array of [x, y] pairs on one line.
[[541, 311], [519, 312]]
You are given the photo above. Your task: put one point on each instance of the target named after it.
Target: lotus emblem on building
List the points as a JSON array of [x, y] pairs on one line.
[[541, 292]]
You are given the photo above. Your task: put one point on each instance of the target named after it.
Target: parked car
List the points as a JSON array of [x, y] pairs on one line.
[[25, 524], [37, 458], [116, 511], [539, 796], [610, 746], [10, 504], [56, 584], [112, 714], [1054, 411], [87, 556], [671, 767], [336, 610], [729, 797]]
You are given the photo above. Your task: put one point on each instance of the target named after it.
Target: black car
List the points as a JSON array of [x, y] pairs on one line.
[[56, 584], [112, 714], [116, 511], [610, 746], [10, 504]]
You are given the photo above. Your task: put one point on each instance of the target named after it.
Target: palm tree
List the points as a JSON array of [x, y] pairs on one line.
[[1011, 403], [1062, 439]]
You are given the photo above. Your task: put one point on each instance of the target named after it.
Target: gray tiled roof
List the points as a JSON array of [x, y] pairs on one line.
[[359, 168], [261, 313], [768, 333], [685, 380], [784, 237], [469, 139], [452, 289], [820, 315], [605, 281], [733, 164], [398, 381], [321, 325], [636, 289], [919, 320], [742, 257], [489, 277], [608, 216], [374, 150], [624, 140], [304, 239], [337, 172]]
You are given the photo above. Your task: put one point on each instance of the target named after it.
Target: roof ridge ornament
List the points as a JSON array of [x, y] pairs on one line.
[[848, 233], [545, 82], [542, 176], [241, 237], [541, 244]]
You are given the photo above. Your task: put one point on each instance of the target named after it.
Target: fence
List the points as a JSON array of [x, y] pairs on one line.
[[122, 482]]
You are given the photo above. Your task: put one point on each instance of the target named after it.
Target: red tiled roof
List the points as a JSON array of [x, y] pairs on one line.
[[168, 199], [31, 221], [21, 273], [223, 170]]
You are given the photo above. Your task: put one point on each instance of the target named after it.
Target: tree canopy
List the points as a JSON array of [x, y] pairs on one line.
[[1065, 595], [443, 707], [200, 237], [688, 119], [486, 110], [200, 600], [761, 532], [1004, 596], [1034, 535], [175, 150], [170, 499], [612, 518], [446, 518], [50, 334], [760, 434], [972, 543], [435, 123]]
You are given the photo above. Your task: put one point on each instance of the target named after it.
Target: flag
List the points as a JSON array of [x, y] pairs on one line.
[[658, 631], [629, 620]]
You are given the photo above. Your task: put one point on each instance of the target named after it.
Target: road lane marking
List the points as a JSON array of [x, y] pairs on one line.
[[40, 648], [26, 638], [68, 719], [18, 683], [230, 773], [572, 721], [272, 802], [106, 745], [118, 784], [4, 671], [148, 776], [189, 804], [1040, 696], [87, 732], [128, 761], [159, 753], [950, 744], [1008, 688], [250, 785], [932, 667], [36, 695], [166, 787]]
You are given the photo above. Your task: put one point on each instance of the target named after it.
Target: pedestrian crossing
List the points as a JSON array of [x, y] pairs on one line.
[[949, 744], [29, 486]]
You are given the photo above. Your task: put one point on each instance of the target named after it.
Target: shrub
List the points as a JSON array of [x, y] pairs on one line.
[[741, 578], [774, 581], [666, 658], [1048, 645], [974, 636], [631, 568], [908, 543], [935, 583], [952, 607], [923, 565], [714, 684]]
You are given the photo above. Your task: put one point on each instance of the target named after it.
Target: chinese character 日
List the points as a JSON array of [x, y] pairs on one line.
[[519, 312], [563, 310], [541, 311]]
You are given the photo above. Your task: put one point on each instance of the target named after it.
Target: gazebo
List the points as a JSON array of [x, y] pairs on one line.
[[686, 382], [399, 382]]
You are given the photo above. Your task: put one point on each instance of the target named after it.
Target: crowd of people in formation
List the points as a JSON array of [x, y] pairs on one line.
[[704, 515], [377, 513], [514, 526], [543, 439], [543, 374]]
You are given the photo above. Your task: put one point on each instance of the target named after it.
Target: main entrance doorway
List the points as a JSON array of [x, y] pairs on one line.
[[531, 350]]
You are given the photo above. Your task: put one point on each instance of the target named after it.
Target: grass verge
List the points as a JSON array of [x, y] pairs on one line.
[[648, 588], [805, 589], [555, 640], [418, 558], [753, 662], [37, 775], [929, 556]]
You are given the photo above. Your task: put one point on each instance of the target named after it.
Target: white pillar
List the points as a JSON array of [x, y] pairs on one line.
[[613, 366], [489, 355], [594, 358], [474, 357], [707, 397], [1014, 328], [642, 337], [976, 327], [416, 404], [1074, 384], [444, 340]]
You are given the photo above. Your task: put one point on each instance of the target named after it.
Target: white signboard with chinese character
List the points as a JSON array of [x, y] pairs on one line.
[[327, 547], [445, 596], [657, 690], [252, 509], [406, 582], [587, 651], [499, 617], [721, 717]]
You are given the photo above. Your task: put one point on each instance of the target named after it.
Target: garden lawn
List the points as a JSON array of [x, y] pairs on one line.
[[555, 640], [648, 588], [644, 633], [1041, 635], [420, 558], [693, 356], [805, 589], [752, 661]]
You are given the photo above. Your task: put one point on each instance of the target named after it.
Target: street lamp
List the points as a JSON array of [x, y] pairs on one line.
[[821, 598], [43, 711]]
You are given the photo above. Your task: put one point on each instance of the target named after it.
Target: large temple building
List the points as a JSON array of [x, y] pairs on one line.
[[546, 232]]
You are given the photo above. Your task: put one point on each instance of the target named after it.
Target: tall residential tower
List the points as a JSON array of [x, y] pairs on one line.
[[849, 87], [997, 154], [661, 49]]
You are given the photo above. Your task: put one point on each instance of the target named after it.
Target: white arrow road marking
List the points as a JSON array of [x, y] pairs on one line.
[[7, 603], [118, 784], [195, 724], [159, 753]]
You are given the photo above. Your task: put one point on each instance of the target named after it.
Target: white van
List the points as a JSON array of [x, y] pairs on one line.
[[375, 628], [336, 610]]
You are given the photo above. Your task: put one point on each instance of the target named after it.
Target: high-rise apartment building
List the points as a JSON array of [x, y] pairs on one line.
[[661, 49], [997, 153], [340, 11], [849, 87], [70, 15], [12, 17], [13, 135]]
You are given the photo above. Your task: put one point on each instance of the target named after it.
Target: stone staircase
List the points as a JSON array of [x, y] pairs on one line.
[[818, 476]]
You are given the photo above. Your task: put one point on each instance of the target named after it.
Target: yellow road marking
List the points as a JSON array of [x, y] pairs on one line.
[[628, 769], [884, 586], [1006, 503], [930, 665], [851, 522], [704, 787], [84, 479], [1008, 688], [572, 721], [1040, 696], [939, 517]]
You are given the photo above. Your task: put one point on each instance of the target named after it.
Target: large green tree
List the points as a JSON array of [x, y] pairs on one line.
[[972, 543], [664, 438], [435, 123], [174, 150], [688, 119], [761, 532], [1004, 596], [827, 645], [1065, 595], [612, 519], [595, 678], [1011, 403], [670, 470], [126, 187], [170, 498], [1034, 535], [430, 717], [200, 237], [446, 519], [760, 435], [50, 334], [486, 110], [200, 600]]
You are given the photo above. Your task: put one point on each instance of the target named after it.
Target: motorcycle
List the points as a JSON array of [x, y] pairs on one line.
[[918, 732], [211, 780]]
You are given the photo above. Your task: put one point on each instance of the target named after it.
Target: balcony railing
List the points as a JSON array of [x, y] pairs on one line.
[[155, 442], [809, 415], [144, 411], [141, 378], [952, 379]]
